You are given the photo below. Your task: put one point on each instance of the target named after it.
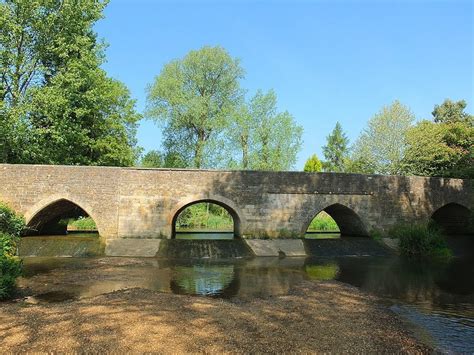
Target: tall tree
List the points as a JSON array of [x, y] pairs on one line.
[[196, 95], [57, 104], [313, 164], [444, 147], [381, 146], [275, 137], [452, 112], [336, 150], [152, 159]]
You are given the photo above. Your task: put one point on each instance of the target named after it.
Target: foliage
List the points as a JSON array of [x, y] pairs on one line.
[[56, 104], [204, 215], [195, 96], [444, 147], [152, 159], [313, 164], [420, 240], [336, 151], [82, 223], [276, 137], [440, 149], [323, 222], [11, 227], [208, 123], [452, 112], [381, 146], [10, 222]]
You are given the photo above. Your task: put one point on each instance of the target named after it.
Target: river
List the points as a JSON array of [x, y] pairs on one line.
[[436, 297]]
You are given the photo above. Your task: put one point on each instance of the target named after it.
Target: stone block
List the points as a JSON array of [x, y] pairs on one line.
[[274, 247], [132, 247]]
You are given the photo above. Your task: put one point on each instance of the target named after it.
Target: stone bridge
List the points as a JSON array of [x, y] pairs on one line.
[[134, 208]]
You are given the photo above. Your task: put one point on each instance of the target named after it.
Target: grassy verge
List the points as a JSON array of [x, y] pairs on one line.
[[205, 216], [82, 223], [324, 223]]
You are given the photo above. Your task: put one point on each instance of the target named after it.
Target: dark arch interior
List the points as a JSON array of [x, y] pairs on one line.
[[348, 222], [454, 219], [54, 218], [207, 230]]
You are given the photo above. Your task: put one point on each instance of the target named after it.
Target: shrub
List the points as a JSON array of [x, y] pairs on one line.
[[11, 227], [10, 223], [421, 240]]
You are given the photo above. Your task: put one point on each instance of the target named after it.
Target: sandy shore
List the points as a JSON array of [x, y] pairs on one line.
[[314, 317]]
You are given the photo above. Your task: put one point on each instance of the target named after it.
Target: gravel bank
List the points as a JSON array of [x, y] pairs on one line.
[[314, 317]]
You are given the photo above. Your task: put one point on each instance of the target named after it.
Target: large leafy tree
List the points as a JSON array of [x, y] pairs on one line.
[[56, 104], [194, 97], [444, 146], [336, 150], [276, 136], [266, 139], [381, 146], [452, 112]]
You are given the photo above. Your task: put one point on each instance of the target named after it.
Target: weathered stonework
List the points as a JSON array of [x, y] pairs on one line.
[[143, 203]]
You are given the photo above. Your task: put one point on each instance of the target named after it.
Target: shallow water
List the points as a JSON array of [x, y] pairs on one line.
[[438, 296]]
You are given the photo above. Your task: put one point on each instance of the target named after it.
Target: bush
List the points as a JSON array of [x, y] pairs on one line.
[[421, 240], [10, 223], [11, 227]]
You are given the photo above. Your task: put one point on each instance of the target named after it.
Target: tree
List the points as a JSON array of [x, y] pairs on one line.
[[57, 105], [444, 147], [381, 146], [313, 164], [152, 159], [452, 112], [195, 96], [336, 151], [275, 137]]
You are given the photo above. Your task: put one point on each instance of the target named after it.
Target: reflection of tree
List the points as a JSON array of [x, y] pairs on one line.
[[431, 284], [204, 280], [322, 272]]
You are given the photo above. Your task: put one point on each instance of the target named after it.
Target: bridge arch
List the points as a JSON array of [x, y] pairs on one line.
[[454, 218], [348, 221], [228, 205], [49, 209]]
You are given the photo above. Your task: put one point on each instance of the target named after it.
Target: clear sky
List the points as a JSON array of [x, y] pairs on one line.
[[327, 60]]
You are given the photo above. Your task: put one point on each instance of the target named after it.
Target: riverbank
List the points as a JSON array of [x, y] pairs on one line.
[[315, 316]]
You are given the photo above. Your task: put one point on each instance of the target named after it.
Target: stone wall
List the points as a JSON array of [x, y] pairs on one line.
[[142, 203]]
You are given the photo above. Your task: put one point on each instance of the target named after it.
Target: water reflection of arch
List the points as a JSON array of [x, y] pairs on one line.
[[228, 205], [454, 218], [204, 278], [48, 210], [348, 221]]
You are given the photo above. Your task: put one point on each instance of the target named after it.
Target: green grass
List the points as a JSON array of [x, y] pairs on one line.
[[82, 223], [323, 223], [205, 216]]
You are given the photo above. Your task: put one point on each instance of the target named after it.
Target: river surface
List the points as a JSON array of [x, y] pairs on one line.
[[436, 296]]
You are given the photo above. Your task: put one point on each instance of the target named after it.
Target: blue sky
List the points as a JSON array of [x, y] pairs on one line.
[[327, 60]]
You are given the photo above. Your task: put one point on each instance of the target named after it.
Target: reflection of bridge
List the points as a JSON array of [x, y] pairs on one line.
[[133, 207]]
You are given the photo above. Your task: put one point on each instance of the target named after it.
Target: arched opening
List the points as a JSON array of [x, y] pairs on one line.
[[206, 219], [61, 217], [454, 219], [335, 221]]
